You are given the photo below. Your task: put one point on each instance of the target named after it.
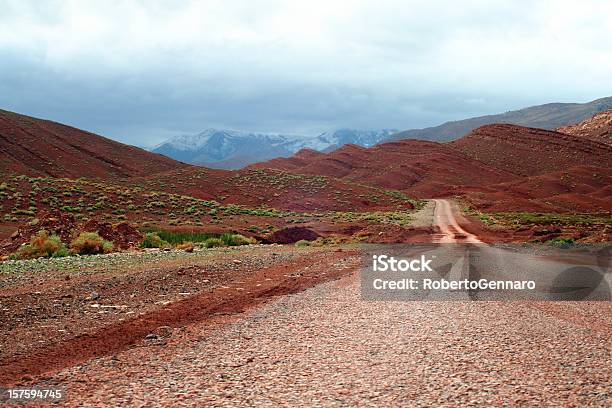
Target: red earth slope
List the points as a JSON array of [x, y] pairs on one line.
[[38, 147], [300, 159], [496, 167], [274, 188], [420, 168], [598, 128], [575, 189], [528, 151], [560, 172]]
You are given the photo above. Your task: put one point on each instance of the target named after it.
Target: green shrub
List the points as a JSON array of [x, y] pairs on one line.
[[302, 243], [162, 239], [21, 211], [107, 247], [152, 240], [213, 243], [62, 252], [236, 239], [561, 242], [42, 245], [90, 243], [179, 237]]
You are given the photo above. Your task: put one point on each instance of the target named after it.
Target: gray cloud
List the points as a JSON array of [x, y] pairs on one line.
[[142, 71]]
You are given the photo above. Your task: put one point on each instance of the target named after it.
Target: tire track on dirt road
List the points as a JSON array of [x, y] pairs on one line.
[[327, 346], [450, 230], [299, 274]]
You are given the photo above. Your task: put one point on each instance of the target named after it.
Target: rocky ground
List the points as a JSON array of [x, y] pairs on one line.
[[285, 325], [60, 312], [326, 346]]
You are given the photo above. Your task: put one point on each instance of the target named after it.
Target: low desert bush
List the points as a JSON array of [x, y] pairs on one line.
[[90, 243], [302, 243], [185, 246], [152, 240], [164, 239], [561, 242], [213, 243], [179, 237], [42, 245], [236, 239]]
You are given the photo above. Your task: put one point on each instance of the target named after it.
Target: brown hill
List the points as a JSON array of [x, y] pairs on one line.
[[274, 189], [31, 147], [420, 168], [559, 172], [530, 151], [250, 202], [41, 147], [576, 189], [496, 167], [598, 128], [300, 159], [548, 116]]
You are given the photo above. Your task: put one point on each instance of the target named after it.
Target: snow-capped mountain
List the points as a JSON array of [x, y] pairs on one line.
[[332, 140], [230, 149]]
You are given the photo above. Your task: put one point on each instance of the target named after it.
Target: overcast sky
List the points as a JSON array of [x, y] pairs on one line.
[[141, 71]]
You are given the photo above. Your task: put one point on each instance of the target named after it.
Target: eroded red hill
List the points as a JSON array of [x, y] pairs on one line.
[[38, 147], [300, 159], [274, 188], [598, 128], [496, 167], [575, 189], [422, 168], [528, 151]]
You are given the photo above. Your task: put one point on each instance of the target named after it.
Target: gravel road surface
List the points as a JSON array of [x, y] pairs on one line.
[[326, 346]]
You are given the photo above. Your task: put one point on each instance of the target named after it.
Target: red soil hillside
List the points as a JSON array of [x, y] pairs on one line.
[[598, 128], [300, 159], [273, 188], [496, 168], [576, 189], [420, 168], [561, 173], [214, 200], [40, 147], [529, 151], [42, 160]]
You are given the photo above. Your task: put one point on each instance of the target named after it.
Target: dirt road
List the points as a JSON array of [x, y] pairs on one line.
[[326, 346], [70, 315], [450, 230]]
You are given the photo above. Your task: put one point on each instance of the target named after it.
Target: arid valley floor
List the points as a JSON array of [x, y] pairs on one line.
[[258, 302]]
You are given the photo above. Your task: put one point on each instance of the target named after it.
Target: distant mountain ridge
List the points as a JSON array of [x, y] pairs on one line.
[[549, 116], [231, 149], [498, 167]]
